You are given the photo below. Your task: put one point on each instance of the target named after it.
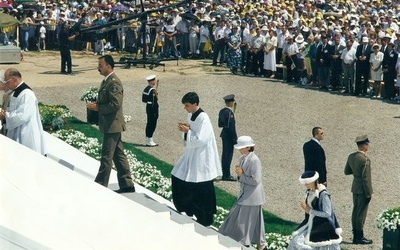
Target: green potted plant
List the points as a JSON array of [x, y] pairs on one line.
[[53, 117], [389, 221], [90, 95]]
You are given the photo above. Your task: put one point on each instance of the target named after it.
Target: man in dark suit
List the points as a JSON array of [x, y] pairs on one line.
[[363, 66], [324, 62], [314, 155], [389, 71], [226, 121], [312, 53], [111, 124], [359, 165], [335, 52]]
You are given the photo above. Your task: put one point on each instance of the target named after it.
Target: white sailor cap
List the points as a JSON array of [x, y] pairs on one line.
[[151, 77]]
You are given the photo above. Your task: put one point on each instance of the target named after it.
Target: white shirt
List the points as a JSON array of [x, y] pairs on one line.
[[219, 33], [246, 36], [204, 33], [200, 160], [348, 56], [42, 32]]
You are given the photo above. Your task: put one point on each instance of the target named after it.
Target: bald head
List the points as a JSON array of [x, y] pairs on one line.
[[12, 78]]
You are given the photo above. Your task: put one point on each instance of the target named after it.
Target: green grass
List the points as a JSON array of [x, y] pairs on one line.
[[224, 199]]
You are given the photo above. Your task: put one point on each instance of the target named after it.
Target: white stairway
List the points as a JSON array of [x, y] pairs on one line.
[[45, 205]]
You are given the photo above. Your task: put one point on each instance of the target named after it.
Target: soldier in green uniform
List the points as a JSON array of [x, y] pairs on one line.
[[111, 124], [359, 165]]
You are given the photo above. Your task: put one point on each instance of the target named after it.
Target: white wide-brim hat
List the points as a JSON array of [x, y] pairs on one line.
[[244, 142]]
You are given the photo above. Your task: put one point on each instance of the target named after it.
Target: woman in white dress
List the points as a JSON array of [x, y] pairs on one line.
[[270, 54], [376, 69]]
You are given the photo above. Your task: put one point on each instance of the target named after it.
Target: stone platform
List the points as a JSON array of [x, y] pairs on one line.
[[10, 54]]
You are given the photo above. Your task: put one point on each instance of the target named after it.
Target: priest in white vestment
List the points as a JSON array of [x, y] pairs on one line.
[[22, 117], [193, 174]]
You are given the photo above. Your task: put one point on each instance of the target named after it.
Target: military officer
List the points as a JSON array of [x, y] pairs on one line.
[[111, 124], [149, 97], [359, 165], [226, 121]]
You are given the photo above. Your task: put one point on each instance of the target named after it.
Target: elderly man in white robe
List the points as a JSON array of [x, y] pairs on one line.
[[192, 176], [22, 116]]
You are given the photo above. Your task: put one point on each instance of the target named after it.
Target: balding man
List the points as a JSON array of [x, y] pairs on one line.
[[22, 116]]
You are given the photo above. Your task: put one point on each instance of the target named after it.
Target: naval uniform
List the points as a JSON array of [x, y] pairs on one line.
[[226, 121], [149, 97]]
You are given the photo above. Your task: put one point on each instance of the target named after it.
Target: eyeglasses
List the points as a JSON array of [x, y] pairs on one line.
[[9, 80]]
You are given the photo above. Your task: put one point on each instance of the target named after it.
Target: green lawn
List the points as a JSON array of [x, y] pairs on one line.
[[272, 222]]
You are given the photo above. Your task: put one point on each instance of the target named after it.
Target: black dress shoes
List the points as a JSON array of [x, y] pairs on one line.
[[228, 178], [125, 190], [362, 241]]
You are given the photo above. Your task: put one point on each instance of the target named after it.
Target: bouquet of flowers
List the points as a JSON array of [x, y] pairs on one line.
[[90, 95], [389, 219]]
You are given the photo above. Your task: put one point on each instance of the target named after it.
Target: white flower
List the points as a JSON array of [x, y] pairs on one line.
[[389, 219], [90, 95]]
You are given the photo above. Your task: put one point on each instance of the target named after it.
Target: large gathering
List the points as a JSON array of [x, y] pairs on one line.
[[347, 48], [351, 47]]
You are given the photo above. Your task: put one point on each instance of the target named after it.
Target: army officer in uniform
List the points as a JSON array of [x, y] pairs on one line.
[[150, 97], [359, 165], [226, 121], [111, 124]]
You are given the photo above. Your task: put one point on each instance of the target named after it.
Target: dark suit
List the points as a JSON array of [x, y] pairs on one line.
[[336, 65], [362, 69], [314, 159], [65, 50], [324, 63], [226, 121], [312, 53], [389, 73], [111, 124], [359, 165]]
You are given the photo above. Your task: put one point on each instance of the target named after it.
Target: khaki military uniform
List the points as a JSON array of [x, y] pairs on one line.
[[111, 124], [359, 165]]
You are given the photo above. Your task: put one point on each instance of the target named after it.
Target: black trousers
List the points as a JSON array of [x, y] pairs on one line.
[[219, 47], [336, 75], [152, 116], [258, 62], [66, 60], [245, 60], [195, 198], [292, 74], [388, 79], [226, 158], [362, 71]]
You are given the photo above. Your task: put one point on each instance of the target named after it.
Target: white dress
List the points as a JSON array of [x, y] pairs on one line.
[[270, 58], [23, 121], [376, 59]]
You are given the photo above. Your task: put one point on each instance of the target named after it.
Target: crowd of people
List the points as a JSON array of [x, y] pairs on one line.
[[340, 45]]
